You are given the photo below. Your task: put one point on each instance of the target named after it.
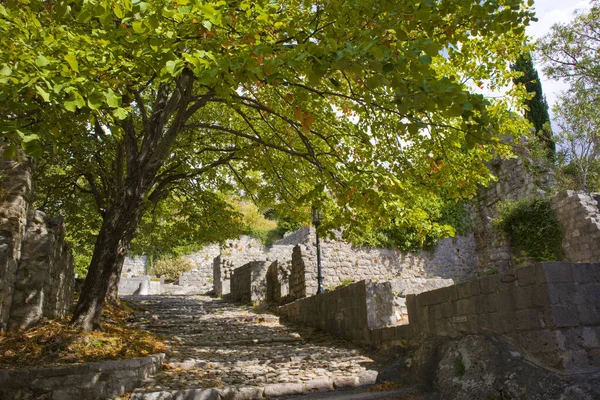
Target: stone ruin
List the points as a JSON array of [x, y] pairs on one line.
[[37, 278]]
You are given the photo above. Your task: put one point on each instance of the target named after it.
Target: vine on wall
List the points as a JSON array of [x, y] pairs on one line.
[[531, 226]]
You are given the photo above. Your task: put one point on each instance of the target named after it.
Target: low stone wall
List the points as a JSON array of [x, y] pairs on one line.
[[142, 286], [106, 379], [579, 215], [551, 311], [45, 277], [249, 283]]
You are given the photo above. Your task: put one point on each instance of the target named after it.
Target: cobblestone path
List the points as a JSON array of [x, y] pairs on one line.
[[220, 350]]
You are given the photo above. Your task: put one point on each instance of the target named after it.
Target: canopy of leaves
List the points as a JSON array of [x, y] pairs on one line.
[[364, 108]]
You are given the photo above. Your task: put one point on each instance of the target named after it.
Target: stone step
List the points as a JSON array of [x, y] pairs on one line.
[[275, 390]]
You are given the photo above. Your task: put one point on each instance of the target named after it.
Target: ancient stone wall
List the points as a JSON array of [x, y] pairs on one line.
[[249, 282], [277, 282], [580, 218], [45, 277], [15, 199], [134, 266], [452, 258], [548, 310], [517, 178], [36, 264]]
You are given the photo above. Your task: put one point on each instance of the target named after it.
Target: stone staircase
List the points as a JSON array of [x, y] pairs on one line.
[[219, 350]]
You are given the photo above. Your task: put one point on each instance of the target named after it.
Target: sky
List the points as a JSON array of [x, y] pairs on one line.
[[550, 12]]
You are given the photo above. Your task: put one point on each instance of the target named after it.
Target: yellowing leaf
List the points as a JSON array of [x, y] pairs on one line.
[[72, 61]]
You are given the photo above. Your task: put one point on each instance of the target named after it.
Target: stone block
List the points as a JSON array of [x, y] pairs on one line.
[[367, 377], [282, 389], [524, 297], [565, 316], [340, 382], [241, 393], [526, 276], [558, 271], [506, 301], [588, 314], [464, 290], [562, 293], [475, 287], [320, 384], [195, 394], [526, 319], [452, 293]]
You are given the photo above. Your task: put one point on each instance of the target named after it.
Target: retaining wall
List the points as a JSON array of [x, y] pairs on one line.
[[549, 310], [134, 266], [106, 379], [141, 285]]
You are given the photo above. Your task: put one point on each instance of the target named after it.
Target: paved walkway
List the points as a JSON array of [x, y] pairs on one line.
[[221, 350]]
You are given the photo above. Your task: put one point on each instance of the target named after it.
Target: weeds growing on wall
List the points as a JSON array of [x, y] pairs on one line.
[[531, 226]]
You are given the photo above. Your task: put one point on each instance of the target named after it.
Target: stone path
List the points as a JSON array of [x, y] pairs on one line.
[[221, 350]]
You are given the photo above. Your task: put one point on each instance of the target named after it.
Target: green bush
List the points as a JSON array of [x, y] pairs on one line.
[[531, 226], [171, 268]]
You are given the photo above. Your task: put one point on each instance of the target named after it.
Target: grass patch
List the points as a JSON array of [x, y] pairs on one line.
[[56, 342]]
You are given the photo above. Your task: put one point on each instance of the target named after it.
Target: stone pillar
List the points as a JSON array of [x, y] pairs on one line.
[[15, 197]]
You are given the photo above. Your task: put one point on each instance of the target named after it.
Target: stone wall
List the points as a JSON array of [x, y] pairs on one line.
[[579, 215], [453, 258], [202, 274], [551, 311], [277, 282], [249, 283], [141, 285], [99, 380], [15, 198], [134, 266], [45, 277], [36, 265], [517, 178]]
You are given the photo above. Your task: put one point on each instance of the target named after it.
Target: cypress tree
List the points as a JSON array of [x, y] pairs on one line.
[[538, 107]]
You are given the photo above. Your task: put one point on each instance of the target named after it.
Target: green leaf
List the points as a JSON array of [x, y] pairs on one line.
[[120, 113], [95, 100], [113, 99], [153, 21], [467, 105], [41, 61], [5, 71], [72, 60], [425, 59], [138, 27], [45, 95]]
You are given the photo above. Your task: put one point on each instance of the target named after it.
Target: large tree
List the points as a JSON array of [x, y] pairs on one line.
[[578, 135], [571, 51], [364, 108]]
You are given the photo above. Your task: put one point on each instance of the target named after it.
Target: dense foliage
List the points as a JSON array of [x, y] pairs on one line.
[[369, 110], [531, 226]]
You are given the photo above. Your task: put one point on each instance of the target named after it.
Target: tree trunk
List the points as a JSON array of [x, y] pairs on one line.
[[106, 263], [113, 286]]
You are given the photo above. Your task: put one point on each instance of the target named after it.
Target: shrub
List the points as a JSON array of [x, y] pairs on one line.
[[171, 268], [531, 226]]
